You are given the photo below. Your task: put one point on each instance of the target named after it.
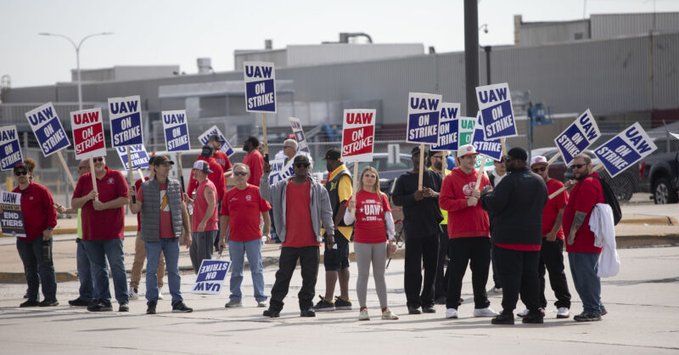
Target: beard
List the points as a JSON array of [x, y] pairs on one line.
[[438, 165]]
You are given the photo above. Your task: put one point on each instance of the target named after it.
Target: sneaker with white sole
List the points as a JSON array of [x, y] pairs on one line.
[[523, 313], [451, 313], [563, 312], [133, 293], [484, 312], [388, 315], [233, 304], [495, 291], [261, 304], [363, 315], [160, 295]]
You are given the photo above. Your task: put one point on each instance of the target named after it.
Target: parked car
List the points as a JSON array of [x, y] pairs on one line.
[[659, 172]]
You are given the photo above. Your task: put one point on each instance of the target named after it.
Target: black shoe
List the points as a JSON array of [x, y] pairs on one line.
[[533, 318], [587, 317], [342, 305], [78, 302], [307, 313], [603, 311], [414, 310], [124, 307], [324, 305], [180, 307], [428, 309], [440, 300], [151, 307], [271, 313], [26, 296], [503, 318], [99, 307], [49, 303], [29, 303]]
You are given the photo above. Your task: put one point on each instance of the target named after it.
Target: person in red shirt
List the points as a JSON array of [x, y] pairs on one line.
[[220, 157], [468, 230], [204, 220], [35, 249], [103, 220], [241, 209], [551, 253], [216, 175], [254, 160], [374, 224], [583, 256]]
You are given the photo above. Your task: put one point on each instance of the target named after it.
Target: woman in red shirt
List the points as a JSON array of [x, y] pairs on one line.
[[374, 223]]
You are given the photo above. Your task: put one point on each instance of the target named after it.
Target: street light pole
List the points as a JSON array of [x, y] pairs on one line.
[[77, 57]]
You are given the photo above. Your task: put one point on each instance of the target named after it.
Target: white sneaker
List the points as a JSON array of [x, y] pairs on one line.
[[523, 313], [451, 313], [363, 315], [387, 315], [495, 291], [133, 294], [261, 304], [160, 295], [485, 312], [563, 312]]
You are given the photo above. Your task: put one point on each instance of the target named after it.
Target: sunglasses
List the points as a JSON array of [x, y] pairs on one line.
[[239, 173], [96, 160], [539, 170], [302, 165], [20, 172], [578, 166]]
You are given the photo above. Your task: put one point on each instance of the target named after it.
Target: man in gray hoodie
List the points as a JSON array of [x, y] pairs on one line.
[[300, 205]]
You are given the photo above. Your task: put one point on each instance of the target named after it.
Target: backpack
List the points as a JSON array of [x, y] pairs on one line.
[[611, 200]]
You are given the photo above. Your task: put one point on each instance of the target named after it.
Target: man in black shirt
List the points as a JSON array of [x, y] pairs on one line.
[[421, 224]]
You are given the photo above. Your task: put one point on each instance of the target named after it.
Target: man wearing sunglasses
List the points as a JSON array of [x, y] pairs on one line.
[[35, 250], [517, 204], [103, 221], [583, 255], [300, 206], [551, 253], [241, 209]]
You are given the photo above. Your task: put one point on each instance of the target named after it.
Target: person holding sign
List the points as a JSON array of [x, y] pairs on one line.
[[422, 218], [204, 219], [583, 255], [164, 221], [220, 157], [517, 204], [254, 160], [82, 260], [373, 226], [336, 257], [240, 212], [35, 249], [300, 206], [468, 230], [103, 220]]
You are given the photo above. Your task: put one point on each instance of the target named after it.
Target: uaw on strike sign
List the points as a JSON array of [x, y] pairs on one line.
[[497, 116], [10, 151], [625, 149], [211, 275], [260, 88], [358, 135], [125, 115], [47, 128], [88, 133], [176, 131], [448, 127], [577, 137], [423, 118]]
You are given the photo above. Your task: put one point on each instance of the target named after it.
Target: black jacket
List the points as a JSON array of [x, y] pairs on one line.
[[423, 217], [517, 204]]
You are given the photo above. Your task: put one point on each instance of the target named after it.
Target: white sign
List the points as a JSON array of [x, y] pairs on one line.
[[176, 130], [358, 135], [211, 275], [298, 131], [125, 116], [423, 118], [48, 129], [88, 133], [260, 87]]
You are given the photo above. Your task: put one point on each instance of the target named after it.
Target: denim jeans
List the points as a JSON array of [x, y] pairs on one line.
[[86, 291], [237, 252], [37, 269], [584, 268], [170, 248], [98, 251]]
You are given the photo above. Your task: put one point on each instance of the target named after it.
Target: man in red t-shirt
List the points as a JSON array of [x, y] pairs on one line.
[[253, 160], [220, 157], [103, 221], [583, 256], [306, 205], [242, 207], [551, 254], [205, 216]]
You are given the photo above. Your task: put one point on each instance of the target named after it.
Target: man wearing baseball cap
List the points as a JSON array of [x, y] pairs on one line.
[[468, 230], [204, 221]]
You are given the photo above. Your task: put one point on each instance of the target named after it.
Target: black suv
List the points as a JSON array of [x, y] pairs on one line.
[[660, 171]]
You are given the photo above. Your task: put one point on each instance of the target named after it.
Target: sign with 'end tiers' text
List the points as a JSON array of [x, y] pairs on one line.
[[423, 118], [88, 133], [260, 87], [358, 135], [47, 128], [125, 115], [625, 149], [497, 116]]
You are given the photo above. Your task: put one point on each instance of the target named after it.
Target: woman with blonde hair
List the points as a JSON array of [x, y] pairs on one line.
[[373, 226]]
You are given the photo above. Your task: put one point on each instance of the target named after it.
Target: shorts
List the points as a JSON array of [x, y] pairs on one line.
[[337, 259]]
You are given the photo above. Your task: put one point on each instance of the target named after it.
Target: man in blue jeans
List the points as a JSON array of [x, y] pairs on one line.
[[241, 209], [164, 220]]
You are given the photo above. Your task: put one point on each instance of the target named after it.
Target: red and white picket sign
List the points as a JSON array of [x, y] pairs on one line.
[[358, 135], [88, 133]]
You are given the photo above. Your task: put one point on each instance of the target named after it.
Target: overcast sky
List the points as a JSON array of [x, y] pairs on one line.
[[176, 32]]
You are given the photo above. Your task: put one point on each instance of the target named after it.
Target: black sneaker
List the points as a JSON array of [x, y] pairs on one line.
[[99, 307], [603, 310], [342, 305], [49, 303], [180, 307], [503, 319], [324, 306], [271, 313], [428, 309], [29, 303], [414, 310], [533, 318], [124, 307], [587, 317], [307, 313], [151, 307], [440, 300], [78, 302]]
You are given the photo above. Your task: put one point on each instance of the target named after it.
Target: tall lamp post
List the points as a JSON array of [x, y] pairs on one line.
[[77, 57]]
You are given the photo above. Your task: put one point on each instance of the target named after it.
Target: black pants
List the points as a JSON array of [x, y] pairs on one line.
[[309, 258], [441, 285], [551, 260], [420, 249], [519, 274], [474, 251], [36, 256], [496, 275]]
